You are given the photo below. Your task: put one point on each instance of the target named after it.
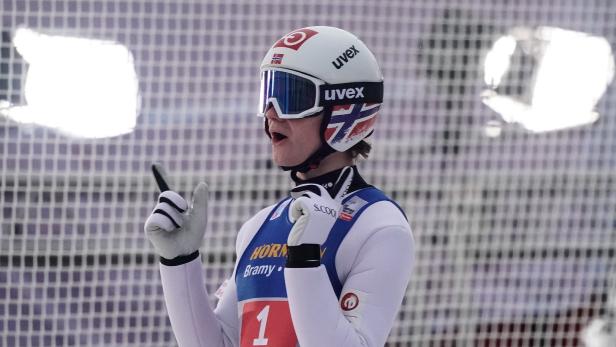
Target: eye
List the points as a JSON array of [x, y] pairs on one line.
[[278, 136]]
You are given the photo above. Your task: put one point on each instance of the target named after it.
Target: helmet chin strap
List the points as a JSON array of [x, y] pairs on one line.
[[313, 160]]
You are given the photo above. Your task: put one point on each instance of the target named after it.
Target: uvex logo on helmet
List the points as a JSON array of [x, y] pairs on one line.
[[345, 57], [295, 39], [346, 93]]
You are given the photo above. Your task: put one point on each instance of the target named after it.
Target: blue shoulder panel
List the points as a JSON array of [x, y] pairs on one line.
[[353, 206]]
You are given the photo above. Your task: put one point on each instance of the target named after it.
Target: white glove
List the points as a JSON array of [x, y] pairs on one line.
[[314, 212], [174, 228]]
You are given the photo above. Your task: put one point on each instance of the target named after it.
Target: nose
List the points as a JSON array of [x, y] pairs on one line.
[[271, 114]]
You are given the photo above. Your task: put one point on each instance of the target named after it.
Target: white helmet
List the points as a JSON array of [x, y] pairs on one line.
[[324, 69], [330, 54]]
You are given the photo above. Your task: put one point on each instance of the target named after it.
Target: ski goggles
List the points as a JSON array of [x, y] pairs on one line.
[[296, 95]]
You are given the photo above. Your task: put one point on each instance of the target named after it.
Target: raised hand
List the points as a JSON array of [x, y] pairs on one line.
[[176, 228], [314, 211]]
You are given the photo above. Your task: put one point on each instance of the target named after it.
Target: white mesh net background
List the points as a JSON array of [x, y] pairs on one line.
[[516, 233]]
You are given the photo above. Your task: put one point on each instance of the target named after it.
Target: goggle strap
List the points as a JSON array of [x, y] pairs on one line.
[[350, 93]]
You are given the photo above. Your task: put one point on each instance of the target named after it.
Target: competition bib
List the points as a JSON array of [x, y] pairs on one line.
[[264, 310], [265, 318]]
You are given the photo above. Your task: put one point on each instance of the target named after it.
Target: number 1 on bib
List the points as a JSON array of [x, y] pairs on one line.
[[267, 323]]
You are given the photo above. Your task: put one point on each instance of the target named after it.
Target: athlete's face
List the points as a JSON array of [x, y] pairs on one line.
[[293, 140]]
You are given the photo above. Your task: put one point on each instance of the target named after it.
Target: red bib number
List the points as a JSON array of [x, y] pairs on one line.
[[267, 323]]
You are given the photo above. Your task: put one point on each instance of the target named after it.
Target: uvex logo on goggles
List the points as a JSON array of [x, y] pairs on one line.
[[351, 93], [296, 95]]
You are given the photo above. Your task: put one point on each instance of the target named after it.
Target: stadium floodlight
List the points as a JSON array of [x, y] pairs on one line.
[[80, 87], [568, 73], [601, 331]]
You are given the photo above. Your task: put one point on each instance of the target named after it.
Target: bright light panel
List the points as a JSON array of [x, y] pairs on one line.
[[81, 87], [573, 72]]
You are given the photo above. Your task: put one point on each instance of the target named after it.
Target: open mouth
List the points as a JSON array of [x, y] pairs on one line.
[[278, 137]]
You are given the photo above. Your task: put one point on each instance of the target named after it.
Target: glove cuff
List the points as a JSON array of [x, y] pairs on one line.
[[180, 260], [304, 255]]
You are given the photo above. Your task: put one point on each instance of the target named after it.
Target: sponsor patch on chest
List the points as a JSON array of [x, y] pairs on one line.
[[279, 210], [350, 208]]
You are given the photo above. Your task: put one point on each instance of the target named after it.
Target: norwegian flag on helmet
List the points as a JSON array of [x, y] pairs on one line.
[[277, 58], [350, 124]]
